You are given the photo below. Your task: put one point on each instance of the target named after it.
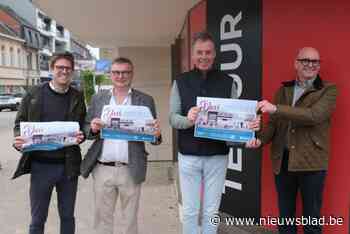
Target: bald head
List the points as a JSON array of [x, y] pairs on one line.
[[308, 52], [307, 63]]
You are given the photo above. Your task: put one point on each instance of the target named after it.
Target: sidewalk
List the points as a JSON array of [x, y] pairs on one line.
[[159, 213], [158, 206], [225, 229]]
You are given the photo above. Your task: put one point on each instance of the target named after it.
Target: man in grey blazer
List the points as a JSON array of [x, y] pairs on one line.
[[118, 167]]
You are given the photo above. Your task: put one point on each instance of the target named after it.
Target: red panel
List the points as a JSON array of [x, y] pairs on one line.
[[185, 50], [287, 26], [198, 19], [10, 21]]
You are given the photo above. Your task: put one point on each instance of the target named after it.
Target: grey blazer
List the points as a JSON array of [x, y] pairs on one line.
[[137, 153]]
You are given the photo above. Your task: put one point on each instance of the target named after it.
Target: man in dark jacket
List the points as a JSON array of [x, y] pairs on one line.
[[53, 101], [299, 128]]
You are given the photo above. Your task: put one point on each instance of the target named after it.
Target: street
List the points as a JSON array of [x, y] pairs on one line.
[[158, 205], [7, 119]]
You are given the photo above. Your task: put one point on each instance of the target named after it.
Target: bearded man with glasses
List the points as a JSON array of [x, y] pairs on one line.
[[299, 129]]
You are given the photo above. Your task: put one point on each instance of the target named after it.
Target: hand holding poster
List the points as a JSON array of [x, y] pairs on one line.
[[128, 122], [48, 135], [225, 119]]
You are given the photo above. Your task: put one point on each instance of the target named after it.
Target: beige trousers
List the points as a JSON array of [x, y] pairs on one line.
[[109, 182]]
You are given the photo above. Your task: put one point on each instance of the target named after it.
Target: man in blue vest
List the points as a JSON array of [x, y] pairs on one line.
[[200, 160]]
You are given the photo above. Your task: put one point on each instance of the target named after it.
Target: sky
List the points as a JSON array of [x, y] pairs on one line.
[[94, 51]]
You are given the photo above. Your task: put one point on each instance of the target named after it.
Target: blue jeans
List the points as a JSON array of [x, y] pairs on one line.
[[44, 177], [192, 171]]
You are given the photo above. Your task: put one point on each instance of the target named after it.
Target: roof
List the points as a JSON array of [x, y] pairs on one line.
[[13, 14], [5, 29]]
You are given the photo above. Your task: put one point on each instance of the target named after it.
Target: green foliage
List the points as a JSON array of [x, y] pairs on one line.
[[89, 90], [107, 81], [99, 79]]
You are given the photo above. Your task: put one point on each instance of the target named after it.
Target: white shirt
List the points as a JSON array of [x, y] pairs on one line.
[[116, 150]]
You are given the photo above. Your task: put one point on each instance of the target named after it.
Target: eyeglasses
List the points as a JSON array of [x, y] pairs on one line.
[[308, 62], [121, 73], [62, 68]]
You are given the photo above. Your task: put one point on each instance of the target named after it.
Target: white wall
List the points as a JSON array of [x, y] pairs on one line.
[[152, 75]]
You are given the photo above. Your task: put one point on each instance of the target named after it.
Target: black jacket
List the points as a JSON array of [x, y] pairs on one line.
[[30, 111]]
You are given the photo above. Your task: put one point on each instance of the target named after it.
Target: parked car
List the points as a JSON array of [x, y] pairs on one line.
[[18, 97], [8, 102]]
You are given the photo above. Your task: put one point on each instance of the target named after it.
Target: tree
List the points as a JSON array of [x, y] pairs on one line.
[[89, 89], [100, 79]]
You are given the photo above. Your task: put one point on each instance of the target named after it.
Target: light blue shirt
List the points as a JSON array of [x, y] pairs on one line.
[[300, 87]]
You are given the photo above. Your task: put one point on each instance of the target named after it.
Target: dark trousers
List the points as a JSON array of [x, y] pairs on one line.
[[44, 177], [311, 187]]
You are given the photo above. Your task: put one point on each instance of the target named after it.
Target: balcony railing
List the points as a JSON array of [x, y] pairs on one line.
[[45, 27], [59, 34]]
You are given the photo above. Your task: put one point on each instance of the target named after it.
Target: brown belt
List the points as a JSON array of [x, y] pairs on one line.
[[113, 164]]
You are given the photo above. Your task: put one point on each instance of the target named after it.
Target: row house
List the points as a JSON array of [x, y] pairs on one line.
[[52, 37], [19, 46], [55, 38]]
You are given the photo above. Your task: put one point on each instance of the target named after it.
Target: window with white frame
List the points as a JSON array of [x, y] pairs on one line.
[[29, 61], [19, 58], [12, 57], [3, 55], [33, 61]]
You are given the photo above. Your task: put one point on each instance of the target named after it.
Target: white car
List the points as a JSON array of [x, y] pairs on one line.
[[8, 102], [18, 98]]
